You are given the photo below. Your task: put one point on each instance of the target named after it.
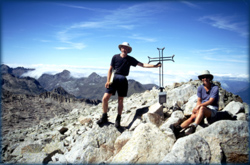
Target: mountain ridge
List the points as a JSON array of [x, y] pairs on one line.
[[91, 87], [17, 72], [244, 93], [75, 85], [17, 85]]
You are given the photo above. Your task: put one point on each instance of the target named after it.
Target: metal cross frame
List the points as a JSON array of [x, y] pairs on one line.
[[160, 59]]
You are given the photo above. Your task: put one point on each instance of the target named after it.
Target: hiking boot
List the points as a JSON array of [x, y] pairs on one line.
[[117, 121], [176, 129], [191, 130], [104, 119]]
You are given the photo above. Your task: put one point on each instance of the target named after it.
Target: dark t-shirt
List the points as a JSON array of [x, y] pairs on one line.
[[212, 93], [122, 65]]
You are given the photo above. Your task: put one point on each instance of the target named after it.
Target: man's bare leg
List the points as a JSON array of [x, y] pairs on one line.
[[105, 100], [120, 108], [120, 105]]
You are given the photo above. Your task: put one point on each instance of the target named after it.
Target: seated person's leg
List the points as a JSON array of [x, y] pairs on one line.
[[203, 112], [187, 122]]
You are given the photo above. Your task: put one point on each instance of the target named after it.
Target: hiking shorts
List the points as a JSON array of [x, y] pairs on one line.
[[120, 84], [213, 109]]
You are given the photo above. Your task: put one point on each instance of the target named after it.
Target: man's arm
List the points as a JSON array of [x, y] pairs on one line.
[[108, 77], [209, 102], [199, 104], [144, 65], [199, 101]]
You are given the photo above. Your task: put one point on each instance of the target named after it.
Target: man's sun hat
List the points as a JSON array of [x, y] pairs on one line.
[[206, 73], [127, 45]]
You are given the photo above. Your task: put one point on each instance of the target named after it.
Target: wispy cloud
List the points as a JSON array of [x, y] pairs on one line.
[[62, 48], [138, 37], [230, 23], [126, 17], [220, 54], [227, 59], [42, 40], [87, 25], [208, 50], [190, 4], [72, 45], [69, 38], [85, 8]]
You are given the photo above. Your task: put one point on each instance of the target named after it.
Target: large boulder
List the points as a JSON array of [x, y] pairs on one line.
[[95, 147], [224, 141], [147, 145], [190, 105], [234, 108], [152, 118], [129, 119], [179, 96], [154, 115], [122, 140], [189, 150], [228, 140], [176, 118]]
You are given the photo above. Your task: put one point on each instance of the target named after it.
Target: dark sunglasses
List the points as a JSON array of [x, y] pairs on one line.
[[124, 47], [207, 77]]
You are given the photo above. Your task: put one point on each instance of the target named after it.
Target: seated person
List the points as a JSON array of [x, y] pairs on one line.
[[207, 104]]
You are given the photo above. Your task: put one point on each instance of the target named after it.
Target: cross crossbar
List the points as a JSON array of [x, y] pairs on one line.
[[160, 59]]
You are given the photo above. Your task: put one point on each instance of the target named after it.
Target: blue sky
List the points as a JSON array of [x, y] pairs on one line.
[[82, 36]]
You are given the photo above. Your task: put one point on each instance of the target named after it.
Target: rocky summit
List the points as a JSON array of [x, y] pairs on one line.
[[144, 135]]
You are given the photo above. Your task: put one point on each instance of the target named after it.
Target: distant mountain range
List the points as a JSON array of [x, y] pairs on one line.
[[17, 72], [237, 87], [17, 85], [244, 94], [91, 87], [234, 86]]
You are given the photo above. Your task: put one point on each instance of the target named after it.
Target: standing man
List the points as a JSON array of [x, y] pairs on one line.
[[121, 63], [207, 104]]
